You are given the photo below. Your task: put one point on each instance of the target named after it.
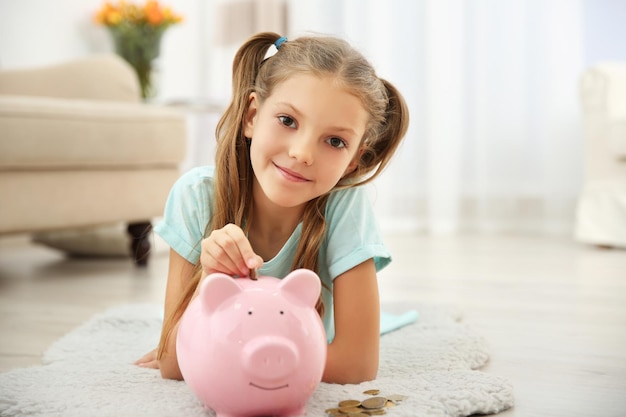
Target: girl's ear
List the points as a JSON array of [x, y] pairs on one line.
[[351, 167], [355, 162], [253, 104]]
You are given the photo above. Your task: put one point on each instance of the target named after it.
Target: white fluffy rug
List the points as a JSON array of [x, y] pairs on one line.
[[89, 372]]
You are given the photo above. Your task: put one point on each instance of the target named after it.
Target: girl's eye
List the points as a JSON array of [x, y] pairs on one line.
[[287, 121], [336, 142]]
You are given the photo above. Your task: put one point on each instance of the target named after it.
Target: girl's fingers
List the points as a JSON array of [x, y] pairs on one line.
[[228, 250], [214, 258], [246, 258], [148, 359], [222, 264], [152, 364], [239, 248]]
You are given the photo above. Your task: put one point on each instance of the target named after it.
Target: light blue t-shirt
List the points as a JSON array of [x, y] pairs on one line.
[[352, 234]]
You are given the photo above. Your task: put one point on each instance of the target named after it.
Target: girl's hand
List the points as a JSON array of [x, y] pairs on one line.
[[148, 360], [228, 250]]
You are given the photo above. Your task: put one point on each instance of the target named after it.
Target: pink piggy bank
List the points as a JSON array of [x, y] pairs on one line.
[[253, 348]]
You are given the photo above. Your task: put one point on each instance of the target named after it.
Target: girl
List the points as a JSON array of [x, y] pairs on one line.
[[305, 128]]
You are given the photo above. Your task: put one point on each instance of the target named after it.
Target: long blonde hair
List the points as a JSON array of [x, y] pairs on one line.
[[316, 55]]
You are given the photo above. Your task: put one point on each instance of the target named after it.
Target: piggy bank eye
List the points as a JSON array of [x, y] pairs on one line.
[[250, 312], [282, 312]]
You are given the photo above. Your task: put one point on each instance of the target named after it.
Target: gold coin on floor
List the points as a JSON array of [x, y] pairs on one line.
[[374, 402], [372, 392], [349, 410], [334, 410], [349, 403]]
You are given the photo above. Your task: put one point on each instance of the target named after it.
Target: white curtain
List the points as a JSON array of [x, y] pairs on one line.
[[495, 142]]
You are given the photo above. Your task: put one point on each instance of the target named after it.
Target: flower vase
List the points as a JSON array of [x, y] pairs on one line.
[[139, 45]]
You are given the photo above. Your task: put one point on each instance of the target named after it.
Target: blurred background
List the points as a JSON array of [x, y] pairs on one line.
[[496, 137]]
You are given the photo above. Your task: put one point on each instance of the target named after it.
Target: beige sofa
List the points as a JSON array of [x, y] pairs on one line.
[[601, 211], [78, 148]]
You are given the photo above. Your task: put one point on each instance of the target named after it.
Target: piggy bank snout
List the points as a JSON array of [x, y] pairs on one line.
[[270, 358]]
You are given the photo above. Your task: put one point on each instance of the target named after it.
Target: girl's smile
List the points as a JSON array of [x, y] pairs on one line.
[[291, 175]]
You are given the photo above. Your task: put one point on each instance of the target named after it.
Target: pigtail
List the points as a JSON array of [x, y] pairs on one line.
[[311, 238], [377, 151], [395, 125], [233, 189]]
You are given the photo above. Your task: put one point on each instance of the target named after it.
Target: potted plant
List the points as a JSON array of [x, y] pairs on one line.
[[136, 31]]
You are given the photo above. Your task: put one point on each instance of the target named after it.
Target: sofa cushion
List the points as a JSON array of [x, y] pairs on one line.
[[43, 132], [96, 77]]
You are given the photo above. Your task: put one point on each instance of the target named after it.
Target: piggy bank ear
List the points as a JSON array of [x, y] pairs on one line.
[[303, 284], [215, 289]]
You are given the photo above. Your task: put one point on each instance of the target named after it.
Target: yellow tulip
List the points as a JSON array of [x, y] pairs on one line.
[[112, 14], [114, 17]]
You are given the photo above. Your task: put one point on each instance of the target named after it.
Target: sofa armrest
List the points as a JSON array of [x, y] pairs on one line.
[[51, 133], [104, 77], [603, 90], [603, 95]]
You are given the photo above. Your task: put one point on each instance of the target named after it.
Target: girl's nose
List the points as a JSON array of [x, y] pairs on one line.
[[302, 150]]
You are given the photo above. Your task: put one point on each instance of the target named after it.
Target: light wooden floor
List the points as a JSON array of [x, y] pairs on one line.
[[553, 311]]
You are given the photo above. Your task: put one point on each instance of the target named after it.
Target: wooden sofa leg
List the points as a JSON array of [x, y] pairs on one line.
[[140, 242]]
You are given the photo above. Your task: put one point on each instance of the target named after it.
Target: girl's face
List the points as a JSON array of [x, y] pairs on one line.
[[304, 138]]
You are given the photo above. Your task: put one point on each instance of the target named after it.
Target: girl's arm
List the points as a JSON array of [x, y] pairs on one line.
[[353, 355], [179, 273]]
